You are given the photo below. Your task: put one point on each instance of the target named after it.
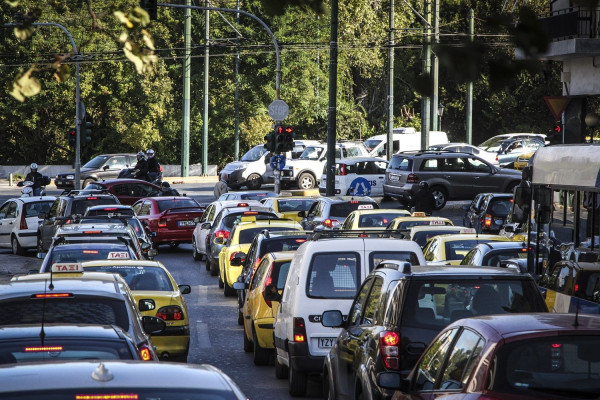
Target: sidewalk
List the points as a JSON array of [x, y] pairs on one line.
[[11, 265]]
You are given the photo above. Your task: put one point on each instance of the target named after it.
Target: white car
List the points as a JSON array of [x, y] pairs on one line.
[[358, 176], [19, 222], [468, 148]]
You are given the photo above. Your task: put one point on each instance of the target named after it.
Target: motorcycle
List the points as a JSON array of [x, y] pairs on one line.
[[153, 177], [28, 190]]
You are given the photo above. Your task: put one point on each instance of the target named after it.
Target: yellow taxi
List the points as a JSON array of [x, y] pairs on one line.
[[259, 313], [421, 234], [416, 219], [301, 193], [377, 219], [451, 249], [155, 291], [289, 207], [523, 160], [236, 247]]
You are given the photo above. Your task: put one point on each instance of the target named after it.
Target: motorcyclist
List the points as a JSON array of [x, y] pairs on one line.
[[141, 167], [36, 178], [167, 190], [153, 166]]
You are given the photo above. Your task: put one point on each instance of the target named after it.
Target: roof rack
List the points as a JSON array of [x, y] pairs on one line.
[[403, 266], [117, 216], [267, 233], [364, 233], [90, 192]]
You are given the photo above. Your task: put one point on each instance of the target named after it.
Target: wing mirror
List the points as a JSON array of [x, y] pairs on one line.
[[146, 305], [271, 293], [237, 285], [332, 319], [302, 214], [206, 225], [238, 260], [153, 325], [152, 253], [185, 289]]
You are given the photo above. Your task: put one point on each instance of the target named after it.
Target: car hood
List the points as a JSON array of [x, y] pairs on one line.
[[511, 172], [232, 166], [82, 170]]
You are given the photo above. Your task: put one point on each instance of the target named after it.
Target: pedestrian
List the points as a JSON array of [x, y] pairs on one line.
[[221, 186], [423, 199], [167, 190]]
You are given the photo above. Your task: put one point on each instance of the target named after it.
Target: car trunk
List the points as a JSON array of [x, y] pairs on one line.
[[181, 219]]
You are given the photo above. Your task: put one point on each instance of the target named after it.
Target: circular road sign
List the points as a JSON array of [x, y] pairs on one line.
[[278, 110]]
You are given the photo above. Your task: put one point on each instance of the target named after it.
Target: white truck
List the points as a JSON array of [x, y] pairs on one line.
[[405, 139]]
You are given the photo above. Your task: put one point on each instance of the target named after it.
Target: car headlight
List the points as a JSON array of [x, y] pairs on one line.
[[70, 177], [240, 167]]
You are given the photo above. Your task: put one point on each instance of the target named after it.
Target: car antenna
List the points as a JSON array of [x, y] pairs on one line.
[[576, 322], [42, 333]]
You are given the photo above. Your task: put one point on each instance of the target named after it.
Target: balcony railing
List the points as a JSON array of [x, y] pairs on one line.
[[572, 22]]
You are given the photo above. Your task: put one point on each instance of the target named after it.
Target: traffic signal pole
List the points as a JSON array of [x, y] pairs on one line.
[[332, 111]]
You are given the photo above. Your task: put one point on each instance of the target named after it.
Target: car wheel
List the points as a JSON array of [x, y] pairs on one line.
[[240, 317], [40, 243], [174, 245], [254, 182], [248, 347], [16, 246], [214, 268], [306, 181], [511, 187], [229, 291], [261, 355], [87, 182], [440, 196], [281, 370], [197, 256], [297, 381], [221, 284]]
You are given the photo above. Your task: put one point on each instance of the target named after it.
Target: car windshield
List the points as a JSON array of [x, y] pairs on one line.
[[492, 144], [96, 162], [342, 210], [88, 252], [295, 205], [139, 277], [311, 153], [234, 218], [370, 144], [67, 310], [541, 367], [435, 302], [176, 203], [81, 205], [70, 349], [254, 153], [33, 209]]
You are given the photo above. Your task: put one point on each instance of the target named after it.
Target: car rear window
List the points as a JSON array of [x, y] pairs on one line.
[[458, 249], [79, 206], [281, 244], [377, 220], [565, 365], [401, 163], [88, 252], [33, 209], [434, 303], [139, 278], [494, 258], [72, 349], [500, 207], [233, 218], [422, 236], [333, 276], [295, 205], [377, 257], [176, 203], [78, 309], [344, 209], [247, 235]]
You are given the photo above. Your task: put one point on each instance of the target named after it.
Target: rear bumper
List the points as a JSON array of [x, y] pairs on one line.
[[300, 358], [397, 191], [179, 236]]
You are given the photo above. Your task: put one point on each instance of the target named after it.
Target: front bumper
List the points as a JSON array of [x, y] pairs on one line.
[[64, 183], [288, 175]]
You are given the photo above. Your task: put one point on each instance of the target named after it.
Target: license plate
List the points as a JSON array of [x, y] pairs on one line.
[[394, 178], [326, 343], [185, 223]]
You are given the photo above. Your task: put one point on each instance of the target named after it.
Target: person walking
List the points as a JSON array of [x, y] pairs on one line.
[[423, 199], [221, 186]]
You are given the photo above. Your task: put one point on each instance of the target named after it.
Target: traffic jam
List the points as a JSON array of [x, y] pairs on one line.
[[375, 292]]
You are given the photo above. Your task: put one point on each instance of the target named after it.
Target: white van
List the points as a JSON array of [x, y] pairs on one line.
[[405, 139], [254, 168], [325, 274]]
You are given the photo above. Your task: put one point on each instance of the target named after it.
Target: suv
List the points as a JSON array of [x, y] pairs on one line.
[[399, 310], [62, 210], [105, 166], [330, 212], [450, 175], [306, 170], [488, 212]]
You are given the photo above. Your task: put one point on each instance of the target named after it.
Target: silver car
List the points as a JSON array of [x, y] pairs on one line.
[[450, 175]]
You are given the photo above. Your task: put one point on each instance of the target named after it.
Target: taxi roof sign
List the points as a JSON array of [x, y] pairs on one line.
[[418, 214], [468, 230], [66, 267], [365, 207]]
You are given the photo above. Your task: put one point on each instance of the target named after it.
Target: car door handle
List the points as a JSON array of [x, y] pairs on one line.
[[447, 176], [476, 178]]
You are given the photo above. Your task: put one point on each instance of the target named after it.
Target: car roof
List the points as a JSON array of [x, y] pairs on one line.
[[504, 245], [470, 236], [123, 374], [100, 226], [353, 160], [80, 282], [513, 325], [411, 218], [27, 331], [381, 211], [132, 263], [256, 192], [31, 199], [344, 199], [462, 271]]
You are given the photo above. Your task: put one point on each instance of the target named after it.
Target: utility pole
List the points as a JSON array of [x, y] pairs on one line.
[[435, 66], [206, 77], [236, 96], [390, 124], [425, 100], [469, 119], [187, 65], [332, 111]]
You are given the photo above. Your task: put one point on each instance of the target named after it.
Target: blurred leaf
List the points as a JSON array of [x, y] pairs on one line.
[[464, 61], [148, 41], [139, 16], [13, 3], [63, 73], [122, 17], [528, 35], [26, 85], [25, 31]]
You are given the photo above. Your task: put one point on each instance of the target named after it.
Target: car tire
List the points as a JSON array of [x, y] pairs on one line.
[[214, 268], [248, 346], [228, 290], [254, 182], [261, 355], [16, 246], [197, 256], [306, 181], [281, 370], [440, 196], [221, 284], [297, 382], [87, 182]]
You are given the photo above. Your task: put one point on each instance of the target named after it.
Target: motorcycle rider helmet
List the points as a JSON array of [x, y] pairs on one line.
[[150, 153], [33, 167], [141, 155]]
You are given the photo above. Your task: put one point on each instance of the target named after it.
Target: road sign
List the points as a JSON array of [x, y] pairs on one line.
[[278, 110], [360, 187], [278, 162], [557, 105]]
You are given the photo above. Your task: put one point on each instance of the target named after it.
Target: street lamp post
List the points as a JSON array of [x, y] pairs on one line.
[[440, 112]]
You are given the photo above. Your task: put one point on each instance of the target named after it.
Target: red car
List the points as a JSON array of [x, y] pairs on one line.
[[508, 357], [170, 219], [128, 191]]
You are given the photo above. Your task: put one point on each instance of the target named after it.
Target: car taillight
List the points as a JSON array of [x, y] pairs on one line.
[[330, 223], [242, 205], [390, 349], [268, 281], [487, 221], [250, 212], [145, 353], [162, 223], [38, 349], [576, 288], [170, 313], [91, 198], [23, 224], [342, 169], [412, 178], [223, 234], [299, 330], [107, 396], [51, 295]]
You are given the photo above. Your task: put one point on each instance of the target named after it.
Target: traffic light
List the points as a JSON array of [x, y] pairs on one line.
[[557, 129], [289, 136], [279, 139], [270, 142], [86, 131], [72, 137], [556, 135], [151, 8]]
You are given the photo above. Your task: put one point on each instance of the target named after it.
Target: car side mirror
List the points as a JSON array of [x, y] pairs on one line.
[[271, 293], [219, 240], [238, 260], [105, 167], [146, 305], [302, 214], [206, 225], [153, 325], [239, 286], [185, 289], [394, 381], [509, 228], [332, 319], [152, 253]]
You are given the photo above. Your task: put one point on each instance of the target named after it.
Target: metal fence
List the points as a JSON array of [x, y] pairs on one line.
[[572, 22]]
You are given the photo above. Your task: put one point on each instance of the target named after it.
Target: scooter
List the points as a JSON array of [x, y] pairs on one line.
[[153, 177], [28, 191]]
